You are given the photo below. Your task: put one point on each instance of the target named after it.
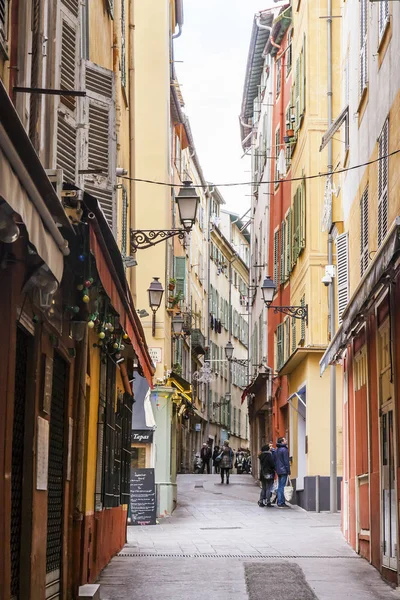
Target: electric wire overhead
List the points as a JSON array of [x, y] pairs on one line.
[[258, 183]]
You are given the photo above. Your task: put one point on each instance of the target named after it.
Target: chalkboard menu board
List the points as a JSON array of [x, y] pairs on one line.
[[143, 497]]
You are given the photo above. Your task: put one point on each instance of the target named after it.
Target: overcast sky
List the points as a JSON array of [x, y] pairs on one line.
[[213, 47]]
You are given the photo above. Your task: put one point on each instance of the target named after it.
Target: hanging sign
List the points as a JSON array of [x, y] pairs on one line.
[[142, 436], [155, 355]]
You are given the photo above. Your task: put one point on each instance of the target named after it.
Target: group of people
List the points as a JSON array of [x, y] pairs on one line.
[[274, 462], [242, 462]]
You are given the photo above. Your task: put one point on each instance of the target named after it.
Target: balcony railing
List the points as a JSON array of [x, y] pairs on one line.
[[198, 341]]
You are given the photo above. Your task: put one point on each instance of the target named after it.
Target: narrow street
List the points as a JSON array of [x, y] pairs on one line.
[[220, 544]]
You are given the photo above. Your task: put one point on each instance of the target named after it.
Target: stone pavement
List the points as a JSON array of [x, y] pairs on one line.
[[208, 546]]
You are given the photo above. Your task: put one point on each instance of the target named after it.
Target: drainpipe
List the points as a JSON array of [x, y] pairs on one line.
[[332, 316], [209, 192], [132, 153]]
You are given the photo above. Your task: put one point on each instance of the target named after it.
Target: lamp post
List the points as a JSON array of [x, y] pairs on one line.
[[155, 292], [187, 201], [268, 289]]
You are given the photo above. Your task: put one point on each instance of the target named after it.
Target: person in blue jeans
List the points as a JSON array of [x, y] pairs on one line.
[[282, 467]]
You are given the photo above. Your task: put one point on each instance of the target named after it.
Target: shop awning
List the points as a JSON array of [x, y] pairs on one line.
[[120, 300], [255, 385], [372, 280], [25, 187], [183, 386]]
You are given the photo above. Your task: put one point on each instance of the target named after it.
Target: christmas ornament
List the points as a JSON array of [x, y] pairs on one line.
[[125, 336], [102, 335], [91, 324], [85, 299], [88, 283], [79, 287], [81, 258]]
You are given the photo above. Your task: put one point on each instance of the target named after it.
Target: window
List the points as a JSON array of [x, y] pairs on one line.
[[363, 45], [383, 17], [239, 422], [287, 339], [383, 166], [276, 252], [247, 427], [342, 260], [278, 76], [180, 274], [288, 249], [234, 419], [300, 85], [364, 258]]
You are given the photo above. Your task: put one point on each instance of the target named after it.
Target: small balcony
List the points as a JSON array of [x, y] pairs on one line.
[[198, 341]]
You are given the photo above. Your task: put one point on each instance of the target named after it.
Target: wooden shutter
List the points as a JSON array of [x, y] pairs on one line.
[[383, 7], [303, 77], [3, 20], [276, 253], [302, 215], [288, 258], [383, 167], [279, 346], [364, 256], [287, 338], [294, 334], [35, 101], [124, 232], [342, 260], [67, 146], [297, 106], [180, 274], [303, 323], [363, 44], [283, 253], [296, 227], [101, 141]]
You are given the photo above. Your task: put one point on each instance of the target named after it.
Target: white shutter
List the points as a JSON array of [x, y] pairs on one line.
[[101, 139], [364, 255], [342, 260], [383, 167], [363, 45], [67, 157]]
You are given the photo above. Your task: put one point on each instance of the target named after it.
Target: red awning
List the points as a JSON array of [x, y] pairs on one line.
[[121, 302]]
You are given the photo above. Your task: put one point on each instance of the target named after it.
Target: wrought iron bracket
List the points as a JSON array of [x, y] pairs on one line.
[[145, 238], [240, 361], [297, 312]]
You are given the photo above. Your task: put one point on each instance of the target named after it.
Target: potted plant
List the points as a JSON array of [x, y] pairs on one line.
[[290, 126], [171, 284], [176, 299]]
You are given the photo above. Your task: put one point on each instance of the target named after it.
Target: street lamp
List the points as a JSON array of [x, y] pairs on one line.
[[229, 350], [187, 201], [268, 289], [156, 292], [177, 324]]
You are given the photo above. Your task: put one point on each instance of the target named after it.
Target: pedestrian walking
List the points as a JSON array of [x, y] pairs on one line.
[[214, 458], [226, 461], [267, 475], [282, 466], [205, 454]]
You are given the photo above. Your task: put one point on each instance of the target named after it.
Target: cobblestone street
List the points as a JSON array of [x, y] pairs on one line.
[[220, 544]]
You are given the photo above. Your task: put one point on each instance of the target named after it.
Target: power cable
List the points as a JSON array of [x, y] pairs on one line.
[[258, 183]]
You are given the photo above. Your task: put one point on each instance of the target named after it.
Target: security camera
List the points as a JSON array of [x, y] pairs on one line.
[[326, 280]]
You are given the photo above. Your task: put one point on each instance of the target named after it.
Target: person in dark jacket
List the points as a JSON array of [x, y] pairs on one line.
[[267, 475], [282, 467], [205, 454], [214, 457], [226, 463]]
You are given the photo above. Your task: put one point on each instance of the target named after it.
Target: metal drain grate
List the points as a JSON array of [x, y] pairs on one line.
[[251, 556], [218, 528]]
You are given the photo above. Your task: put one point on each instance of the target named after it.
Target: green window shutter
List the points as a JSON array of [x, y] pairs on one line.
[[279, 346], [296, 228], [288, 244], [303, 77], [124, 224], [287, 338], [216, 305], [303, 323], [302, 209], [180, 274], [294, 334], [239, 422], [297, 107], [283, 253], [276, 247]]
